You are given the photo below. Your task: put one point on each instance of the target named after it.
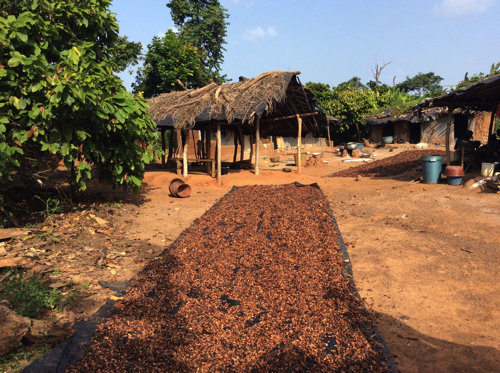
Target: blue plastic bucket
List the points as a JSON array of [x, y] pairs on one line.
[[431, 168], [454, 180], [359, 145]]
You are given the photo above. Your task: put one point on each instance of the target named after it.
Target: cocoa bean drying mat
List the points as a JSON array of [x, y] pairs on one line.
[[388, 167], [261, 282]]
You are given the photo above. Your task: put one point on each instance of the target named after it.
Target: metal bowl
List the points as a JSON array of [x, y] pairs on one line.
[[317, 155], [351, 145]]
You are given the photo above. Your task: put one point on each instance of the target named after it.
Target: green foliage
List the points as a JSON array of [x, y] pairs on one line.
[[494, 70], [422, 84], [127, 53], [352, 104], [203, 24], [59, 96], [349, 104], [52, 206], [85, 285], [168, 58], [29, 295], [398, 101]]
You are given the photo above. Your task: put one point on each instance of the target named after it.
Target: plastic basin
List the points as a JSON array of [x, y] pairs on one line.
[[487, 169], [359, 145], [454, 180], [431, 168], [454, 171], [388, 139]]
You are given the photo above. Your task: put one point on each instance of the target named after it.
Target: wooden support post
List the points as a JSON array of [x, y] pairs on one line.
[[462, 158], [219, 154], [171, 143], [179, 144], [203, 152], [208, 140], [251, 148], [235, 145], [163, 146], [447, 140], [242, 143], [257, 145], [492, 120], [329, 142], [185, 155], [299, 144]]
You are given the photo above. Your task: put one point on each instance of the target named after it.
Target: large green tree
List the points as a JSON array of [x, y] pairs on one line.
[[59, 96], [168, 58], [422, 84], [126, 53], [203, 24], [349, 104]]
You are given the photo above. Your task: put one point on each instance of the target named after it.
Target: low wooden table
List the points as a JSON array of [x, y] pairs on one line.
[[210, 163]]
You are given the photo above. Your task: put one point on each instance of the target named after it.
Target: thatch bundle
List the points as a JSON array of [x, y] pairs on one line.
[[234, 103]]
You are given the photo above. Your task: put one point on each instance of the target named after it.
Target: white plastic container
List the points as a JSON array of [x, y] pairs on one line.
[[487, 169]]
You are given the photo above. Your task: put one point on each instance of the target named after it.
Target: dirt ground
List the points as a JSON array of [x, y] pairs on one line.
[[438, 305]]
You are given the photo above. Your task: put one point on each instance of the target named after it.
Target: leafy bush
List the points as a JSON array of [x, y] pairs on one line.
[[29, 295], [59, 97]]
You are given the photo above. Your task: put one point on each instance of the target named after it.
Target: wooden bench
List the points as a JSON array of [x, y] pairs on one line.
[[210, 163]]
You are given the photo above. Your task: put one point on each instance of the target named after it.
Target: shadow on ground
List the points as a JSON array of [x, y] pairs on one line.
[[416, 352]]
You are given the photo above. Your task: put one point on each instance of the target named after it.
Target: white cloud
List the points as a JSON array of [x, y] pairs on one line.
[[162, 34], [259, 33], [462, 8]]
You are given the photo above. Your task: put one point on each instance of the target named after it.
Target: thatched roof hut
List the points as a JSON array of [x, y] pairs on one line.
[[274, 97], [273, 104]]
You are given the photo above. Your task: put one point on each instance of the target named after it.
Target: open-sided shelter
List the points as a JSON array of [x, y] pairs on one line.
[[428, 125], [481, 96], [273, 104]]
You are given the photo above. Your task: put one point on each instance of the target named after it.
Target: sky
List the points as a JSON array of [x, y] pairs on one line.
[[331, 41]]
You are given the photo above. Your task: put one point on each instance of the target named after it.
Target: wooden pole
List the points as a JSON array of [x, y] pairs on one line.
[[163, 146], [462, 158], [329, 142], [171, 144], [179, 144], [185, 155], [203, 143], [242, 143], [251, 147], [299, 144], [447, 140], [257, 145], [208, 139], [492, 120], [235, 146], [219, 154]]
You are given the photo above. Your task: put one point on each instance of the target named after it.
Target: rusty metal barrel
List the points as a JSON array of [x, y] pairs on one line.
[[178, 188]]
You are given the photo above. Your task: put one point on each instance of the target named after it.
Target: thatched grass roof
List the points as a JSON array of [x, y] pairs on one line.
[[271, 96]]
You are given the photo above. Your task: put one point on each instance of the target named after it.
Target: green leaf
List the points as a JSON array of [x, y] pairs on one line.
[[3, 73], [15, 61], [22, 103], [69, 99], [73, 56], [22, 35], [82, 166], [135, 180]]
